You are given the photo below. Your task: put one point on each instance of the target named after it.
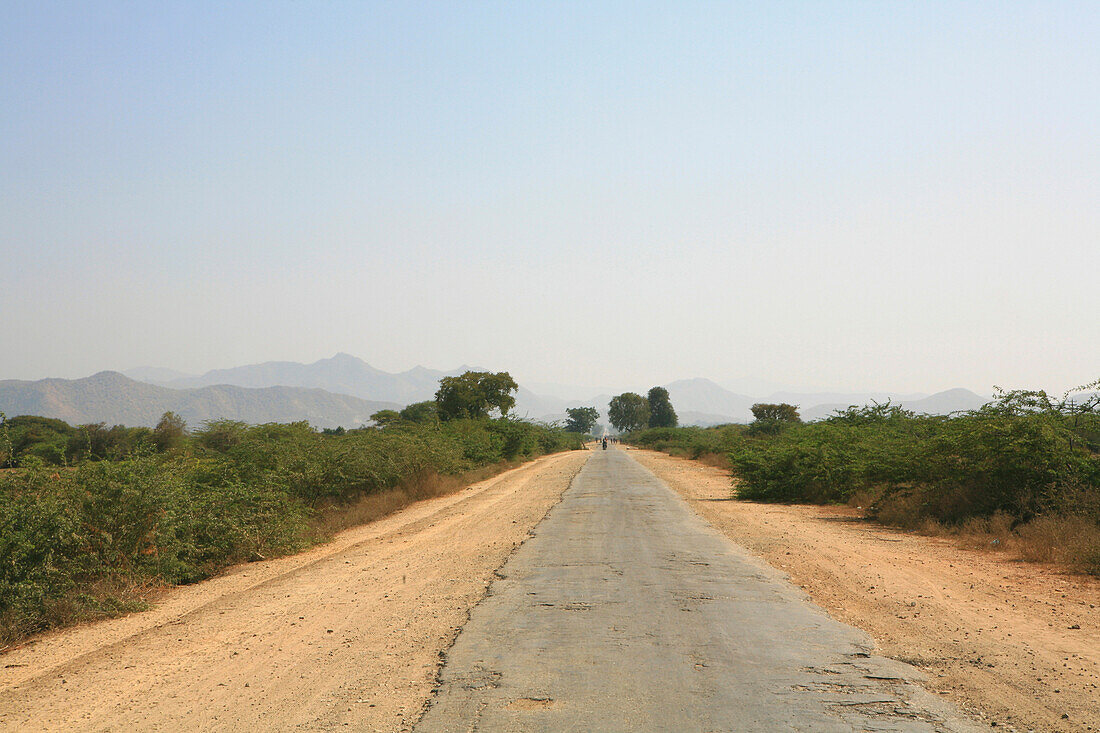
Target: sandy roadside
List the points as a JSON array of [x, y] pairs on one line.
[[1016, 643], [347, 634]]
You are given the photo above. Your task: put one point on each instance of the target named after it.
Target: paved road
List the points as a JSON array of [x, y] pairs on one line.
[[627, 612]]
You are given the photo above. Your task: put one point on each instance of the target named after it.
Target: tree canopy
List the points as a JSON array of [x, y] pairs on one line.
[[581, 419], [421, 412], [385, 418], [661, 414], [169, 432], [781, 412], [772, 418], [628, 411], [475, 394]]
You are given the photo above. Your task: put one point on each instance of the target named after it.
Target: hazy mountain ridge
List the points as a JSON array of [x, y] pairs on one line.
[[115, 399], [698, 401], [704, 402], [341, 374]]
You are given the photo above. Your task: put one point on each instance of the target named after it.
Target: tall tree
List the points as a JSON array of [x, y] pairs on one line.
[[629, 411], [581, 419], [168, 433], [475, 394], [661, 414]]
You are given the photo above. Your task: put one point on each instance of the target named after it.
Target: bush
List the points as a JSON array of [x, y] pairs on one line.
[[73, 539], [1024, 458]]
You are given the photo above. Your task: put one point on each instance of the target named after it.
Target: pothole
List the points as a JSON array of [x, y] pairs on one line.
[[531, 703]]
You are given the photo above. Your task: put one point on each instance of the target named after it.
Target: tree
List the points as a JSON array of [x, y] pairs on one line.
[[385, 418], [169, 432], [475, 394], [424, 413], [772, 418], [629, 411], [661, 414], [781, 412], [581, 419], [7, 452]]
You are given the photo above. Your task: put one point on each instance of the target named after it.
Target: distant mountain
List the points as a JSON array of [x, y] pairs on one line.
[[941, 403], [697, 401], [538, 407], [948, 401], [710, 400], [342, 374], [704, 419], [155, 375], [846, 398], [113, 398]]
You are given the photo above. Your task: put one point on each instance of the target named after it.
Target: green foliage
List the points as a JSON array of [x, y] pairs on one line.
[[97, 442], [773, 418], [57, 443], [229, 492], [1021, 455], [581, 419], [690, 442], [475, 394], [169, 432], [221, 435], [5, 442], [385, 418], [661, 414], [423, 413], [628, 412], [26, 435], [1025, 456]]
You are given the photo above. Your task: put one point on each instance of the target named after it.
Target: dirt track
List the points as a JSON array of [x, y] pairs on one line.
[[348, 634], [1017, 642]]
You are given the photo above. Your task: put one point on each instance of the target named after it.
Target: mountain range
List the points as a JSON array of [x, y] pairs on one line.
[[116, 399], [345, 390]]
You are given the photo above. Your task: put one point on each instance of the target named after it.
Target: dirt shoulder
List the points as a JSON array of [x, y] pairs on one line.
[[347, 634], [1015, 643]]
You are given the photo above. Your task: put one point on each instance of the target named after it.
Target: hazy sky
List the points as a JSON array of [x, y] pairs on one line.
[[826, 195]]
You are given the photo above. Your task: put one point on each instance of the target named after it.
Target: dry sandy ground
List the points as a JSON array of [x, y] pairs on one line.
[[1016, 643], [348, 634]]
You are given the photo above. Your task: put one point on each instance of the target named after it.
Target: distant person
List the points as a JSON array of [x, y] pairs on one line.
[[605, 442]]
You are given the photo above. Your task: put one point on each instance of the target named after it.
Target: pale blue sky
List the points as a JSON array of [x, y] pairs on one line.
[[826, 195]]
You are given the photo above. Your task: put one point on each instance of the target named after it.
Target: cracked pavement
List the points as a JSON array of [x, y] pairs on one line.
[[626, 611]]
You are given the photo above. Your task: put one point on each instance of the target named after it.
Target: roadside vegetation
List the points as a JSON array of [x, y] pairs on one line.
[[91, 517], [630, 411], [1021, 473]]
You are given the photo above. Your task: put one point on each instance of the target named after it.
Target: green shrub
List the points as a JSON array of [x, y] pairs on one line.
[[1023, 457], [229, 492]]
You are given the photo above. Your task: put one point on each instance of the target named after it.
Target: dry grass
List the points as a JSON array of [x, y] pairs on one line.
[[106, 598], [716, 460], [425, 485], [1069, 541]]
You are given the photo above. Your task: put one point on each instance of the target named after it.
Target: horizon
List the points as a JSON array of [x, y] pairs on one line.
[[840, 197], [572, 392]]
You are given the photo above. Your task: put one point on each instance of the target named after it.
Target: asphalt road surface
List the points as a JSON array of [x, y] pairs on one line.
[[627, 612]]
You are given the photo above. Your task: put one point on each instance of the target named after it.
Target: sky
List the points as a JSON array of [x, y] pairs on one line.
[[847, 196]]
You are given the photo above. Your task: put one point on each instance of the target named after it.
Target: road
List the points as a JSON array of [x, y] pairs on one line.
[[344, 637], [627, 612], [576, 592]]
